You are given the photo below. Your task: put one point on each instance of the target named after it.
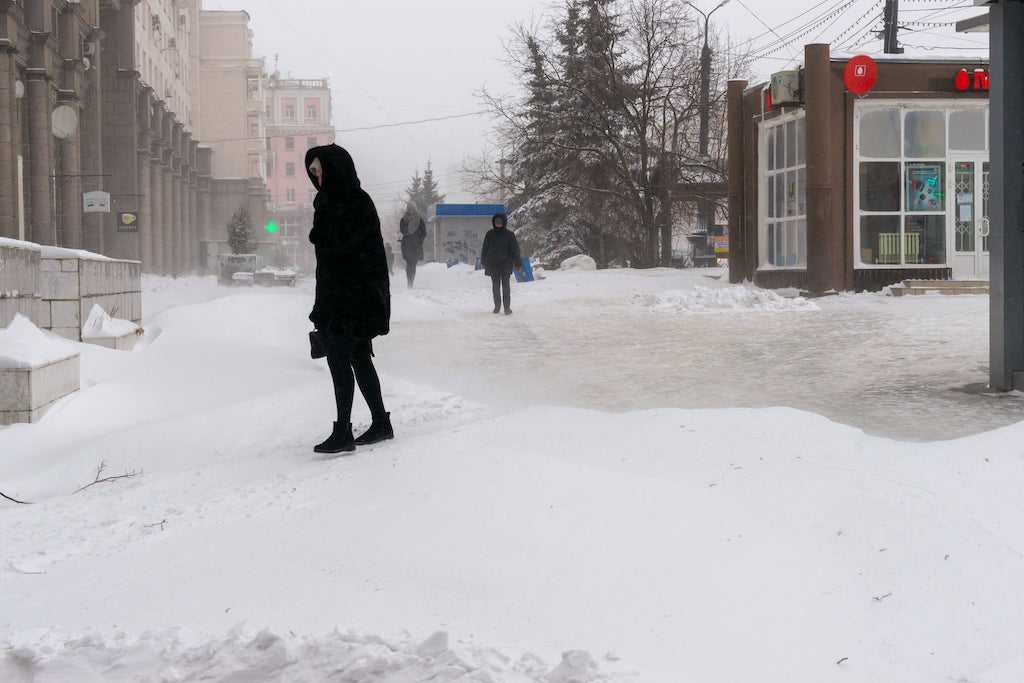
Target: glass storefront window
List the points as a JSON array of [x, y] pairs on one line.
[[880, 240], [880, 134], [925, 239], [925, 134], [879, 186], [925, 186], [967, 130], [783, 238]]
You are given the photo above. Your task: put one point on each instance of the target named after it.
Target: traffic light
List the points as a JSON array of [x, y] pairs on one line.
[[271, 227]]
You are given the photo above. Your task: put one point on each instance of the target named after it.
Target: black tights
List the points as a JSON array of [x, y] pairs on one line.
[[500, 286], [347, 355], [410, 273]]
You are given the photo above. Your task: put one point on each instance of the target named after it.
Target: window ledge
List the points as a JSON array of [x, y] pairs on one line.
[[778, 269], [897, 266]]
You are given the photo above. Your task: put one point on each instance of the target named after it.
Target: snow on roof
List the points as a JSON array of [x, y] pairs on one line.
[[23, 345], [18, 244], [61, 252]]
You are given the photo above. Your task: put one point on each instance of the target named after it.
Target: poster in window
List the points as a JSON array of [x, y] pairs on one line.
[[924, 187]]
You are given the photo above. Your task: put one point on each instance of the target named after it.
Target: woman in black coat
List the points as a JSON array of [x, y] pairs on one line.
[[353, 291], [414, 232], [500, 256]]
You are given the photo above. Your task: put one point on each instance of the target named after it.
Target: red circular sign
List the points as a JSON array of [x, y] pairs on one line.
[[860, 75]]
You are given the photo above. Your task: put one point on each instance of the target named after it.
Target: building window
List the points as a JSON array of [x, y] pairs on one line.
[[270, 168], [289, 143], [289, 169], [783, 205], [288, 111], [312, 110], [254, 127], [903, 162], [311, 143], [291, 195]]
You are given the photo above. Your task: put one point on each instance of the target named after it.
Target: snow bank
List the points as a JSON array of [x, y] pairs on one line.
[[267, 656], [23, 345], [101, 326], [734, 298], [581, 262]]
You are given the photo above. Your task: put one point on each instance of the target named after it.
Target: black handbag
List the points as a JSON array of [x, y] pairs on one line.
[[316, 345]]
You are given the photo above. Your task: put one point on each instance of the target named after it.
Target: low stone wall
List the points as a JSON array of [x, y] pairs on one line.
[[71, 286], [19, 282], [27, 393]]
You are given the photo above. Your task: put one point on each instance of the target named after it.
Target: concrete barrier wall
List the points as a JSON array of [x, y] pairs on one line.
[[70, 287], [26, 394], [19, 285]]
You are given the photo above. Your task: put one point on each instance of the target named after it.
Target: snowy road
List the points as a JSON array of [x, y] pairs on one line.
[[669, 544]]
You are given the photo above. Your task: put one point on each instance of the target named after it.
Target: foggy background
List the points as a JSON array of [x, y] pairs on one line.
[[391, 61]]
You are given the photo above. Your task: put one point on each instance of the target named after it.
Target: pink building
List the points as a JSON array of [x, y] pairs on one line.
[[298, 117]]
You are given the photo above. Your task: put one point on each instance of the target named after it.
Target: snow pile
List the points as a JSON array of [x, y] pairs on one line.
[[581, 262], [23, 345], [101, 326], [268, 656], [733, 298]]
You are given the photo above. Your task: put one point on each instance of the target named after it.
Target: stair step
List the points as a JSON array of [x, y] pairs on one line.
[[946, 287]]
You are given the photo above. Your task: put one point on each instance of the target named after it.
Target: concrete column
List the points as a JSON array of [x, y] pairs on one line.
[[1007, 204], [824, 241], [92, 151], [71, 191], [146, 206], [156, 204], [168, 215], [193, 222], [41, 228], [738, 270], [179, 225], [8, 150], [205, 224]]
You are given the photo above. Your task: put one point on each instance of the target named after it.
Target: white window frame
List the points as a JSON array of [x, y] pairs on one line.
[[764, 126], [947, 106]]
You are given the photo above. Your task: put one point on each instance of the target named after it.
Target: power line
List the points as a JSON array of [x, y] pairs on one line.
[[756, 16], [380, 126]]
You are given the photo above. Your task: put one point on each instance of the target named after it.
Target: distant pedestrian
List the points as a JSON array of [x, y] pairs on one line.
[[391, 258], [414, 231], [500, 256], [353, 292]]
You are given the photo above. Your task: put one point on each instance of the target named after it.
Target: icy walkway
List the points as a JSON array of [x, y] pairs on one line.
[[625, 341]]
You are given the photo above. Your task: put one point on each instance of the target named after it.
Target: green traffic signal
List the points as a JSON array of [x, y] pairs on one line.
[[270, 227]]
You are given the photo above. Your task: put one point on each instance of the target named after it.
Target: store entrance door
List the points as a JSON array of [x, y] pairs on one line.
[[969, 223]]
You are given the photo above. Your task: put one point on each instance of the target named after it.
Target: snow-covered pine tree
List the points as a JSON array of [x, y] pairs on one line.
[[240, 232]]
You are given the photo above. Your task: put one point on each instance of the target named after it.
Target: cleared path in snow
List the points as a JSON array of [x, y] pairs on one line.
[[902, 368]]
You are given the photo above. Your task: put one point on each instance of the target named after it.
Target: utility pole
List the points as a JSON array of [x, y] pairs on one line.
[[704, 212], [891, 18]]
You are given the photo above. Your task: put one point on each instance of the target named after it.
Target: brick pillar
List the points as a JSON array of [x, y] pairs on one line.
[[156, 204], [825, 250], [739, 269]]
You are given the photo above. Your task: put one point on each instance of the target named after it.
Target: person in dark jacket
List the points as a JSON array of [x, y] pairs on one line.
[[500, 256], [353, 291], [414, 231]]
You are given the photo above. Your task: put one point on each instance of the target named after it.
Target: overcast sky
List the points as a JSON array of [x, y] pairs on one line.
[[399, 60]]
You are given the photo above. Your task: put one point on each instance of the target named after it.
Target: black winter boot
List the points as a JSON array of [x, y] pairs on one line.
[[380, 430], [340, 440]]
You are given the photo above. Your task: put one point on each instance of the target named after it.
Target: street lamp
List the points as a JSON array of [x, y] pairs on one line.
[[704, 220]]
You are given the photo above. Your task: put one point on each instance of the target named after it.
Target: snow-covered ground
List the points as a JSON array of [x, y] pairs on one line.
[[556, 503]]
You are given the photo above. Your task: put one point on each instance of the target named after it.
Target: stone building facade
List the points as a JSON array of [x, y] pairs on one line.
[[106, 95]]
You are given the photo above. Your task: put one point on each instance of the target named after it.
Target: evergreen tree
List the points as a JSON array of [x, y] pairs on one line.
[[423, 192], [240, 233]]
